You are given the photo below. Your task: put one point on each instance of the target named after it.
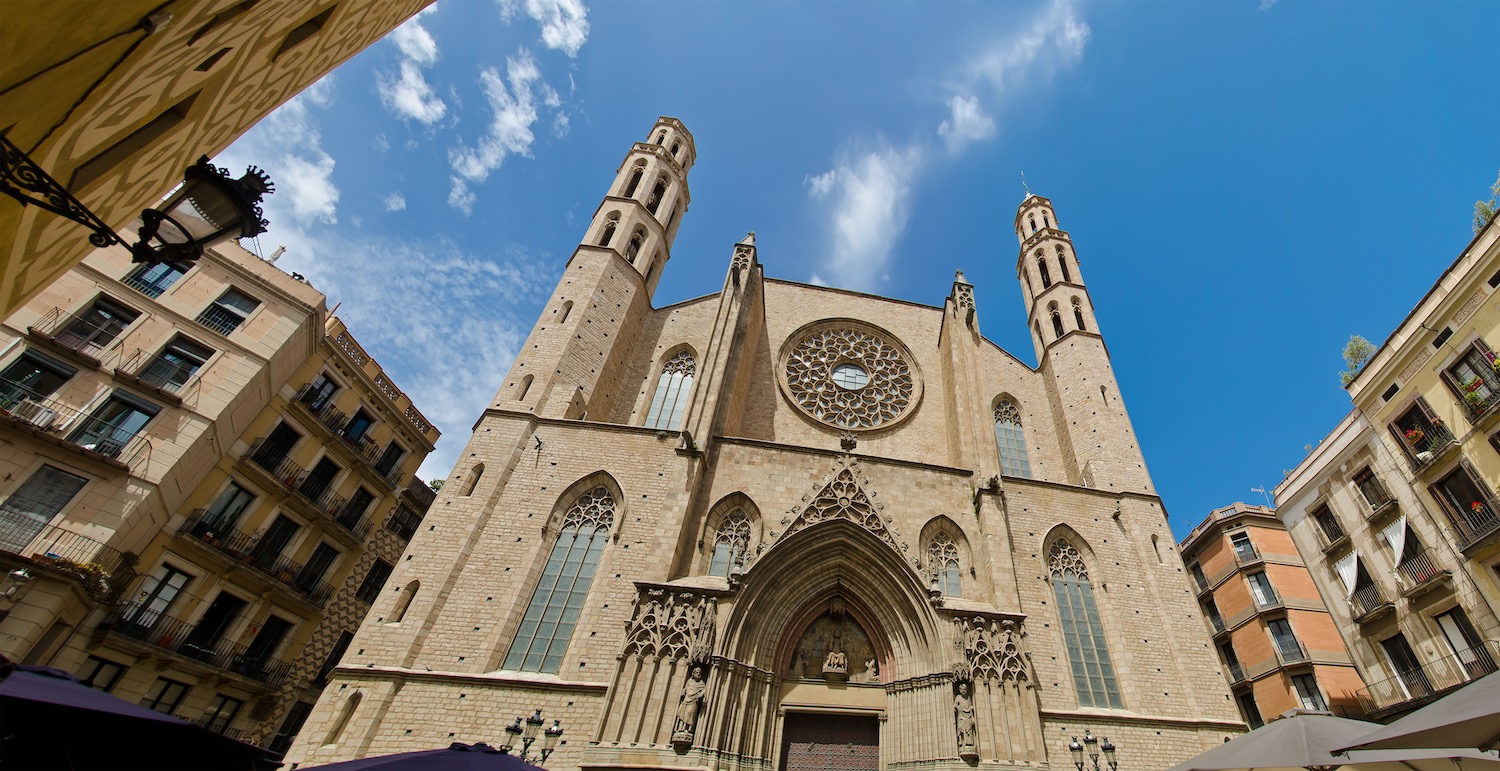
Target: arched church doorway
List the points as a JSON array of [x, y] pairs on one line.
[[832, 691]]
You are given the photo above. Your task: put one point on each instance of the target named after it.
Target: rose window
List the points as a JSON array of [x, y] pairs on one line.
[[849, 375]]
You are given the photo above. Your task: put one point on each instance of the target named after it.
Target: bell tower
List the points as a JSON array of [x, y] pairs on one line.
[[570, 365], [1071, 350]]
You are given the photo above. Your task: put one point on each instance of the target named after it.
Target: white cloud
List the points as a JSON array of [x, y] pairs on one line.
[[408, 95], [288, 146], [415, 42], [564, 23], [560, 125], [395, 202], [513, 102], [820, 185], [870, 192], [968, 123]]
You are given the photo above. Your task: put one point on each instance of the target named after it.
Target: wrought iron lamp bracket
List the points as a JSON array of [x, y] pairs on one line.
[[23, 180]]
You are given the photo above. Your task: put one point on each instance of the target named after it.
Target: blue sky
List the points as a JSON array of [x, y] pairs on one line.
[[1247, 183]]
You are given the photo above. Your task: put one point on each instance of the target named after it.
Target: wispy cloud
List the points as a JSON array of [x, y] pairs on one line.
[[868, 190], [564, 23], [288, 146], [406, 92], [513, 102]]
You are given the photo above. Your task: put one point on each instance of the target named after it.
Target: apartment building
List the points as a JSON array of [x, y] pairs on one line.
[[1396, 510], [205, 480], [1279, 646]]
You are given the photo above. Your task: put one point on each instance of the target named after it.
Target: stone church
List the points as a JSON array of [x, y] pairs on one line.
[[785, 526]]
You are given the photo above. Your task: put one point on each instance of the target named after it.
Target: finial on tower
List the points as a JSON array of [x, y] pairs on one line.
[[749, 240], [1025, 186]]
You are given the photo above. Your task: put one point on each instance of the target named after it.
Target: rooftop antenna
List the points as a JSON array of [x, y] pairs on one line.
[[1262, 490], [1025, 186]]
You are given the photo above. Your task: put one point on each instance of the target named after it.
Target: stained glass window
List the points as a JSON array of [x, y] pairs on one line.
[[1011, 440], [942, 561], [730, 543], [672, 391], [1083, 632]]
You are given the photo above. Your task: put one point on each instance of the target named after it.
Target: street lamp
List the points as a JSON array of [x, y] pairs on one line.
[[208, 208], [527, 736], [1091, 748]]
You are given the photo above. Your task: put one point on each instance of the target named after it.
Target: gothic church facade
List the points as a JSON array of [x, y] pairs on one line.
[[788, 526]]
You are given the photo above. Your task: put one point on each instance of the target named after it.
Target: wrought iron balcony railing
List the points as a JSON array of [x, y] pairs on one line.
[[1246, 554], [204, 525], [1368, 601], [1236, 673], [99, 568], [86, 336], [21, 404], [1289, 651], [139, 622], [1430, 446], [1429, 680], [276, 463], [159, 372], [220, 320], [1418, 568], [1474, 523]]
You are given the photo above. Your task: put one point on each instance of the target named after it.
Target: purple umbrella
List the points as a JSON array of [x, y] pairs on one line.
[[457, 757], [52, 721]]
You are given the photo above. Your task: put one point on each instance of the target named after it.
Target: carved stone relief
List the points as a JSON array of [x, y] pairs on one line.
[[836, 648]]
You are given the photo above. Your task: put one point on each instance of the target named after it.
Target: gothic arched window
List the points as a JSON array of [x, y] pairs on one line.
[[657, 193], [1062, 265], [1078, 315], [609, 229], [403, 602], [471, 481], [942, 563], [555, 604], [672, 390], [662, 137], [636, 239], [635, 181], [1041, 267], [1011, 439], [1046, 221], [1057, 327], [1032, 220], [730, 543], [1083, 633]]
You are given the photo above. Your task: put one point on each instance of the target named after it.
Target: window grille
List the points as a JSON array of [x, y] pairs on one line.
[[942, 562], [558, 599], [1083, 632], [672, 390], [1011, 440], [730, 543]]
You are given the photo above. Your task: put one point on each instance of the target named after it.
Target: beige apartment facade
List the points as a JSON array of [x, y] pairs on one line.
[[206, 480], [114, 100], [1396, 510], [748, 529], [1279, 645]]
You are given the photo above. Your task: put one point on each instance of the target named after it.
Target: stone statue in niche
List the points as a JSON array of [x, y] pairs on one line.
[[963, 718], [872, 671], [687, 708], [827, 646]]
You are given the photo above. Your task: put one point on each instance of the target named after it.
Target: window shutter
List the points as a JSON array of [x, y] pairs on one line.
[[1432, 417], [1453, 384], [1401, 441], [1455, 517], [1484, 350]]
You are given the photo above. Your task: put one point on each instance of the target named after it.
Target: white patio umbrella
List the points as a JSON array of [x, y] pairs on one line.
[[1301, 739], [1468, 717]]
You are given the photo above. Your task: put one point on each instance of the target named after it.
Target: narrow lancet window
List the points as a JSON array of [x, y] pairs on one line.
[[942, 562], [1041, 267], [1083, 633], [558, 599], [730, 543], [1011, 439], [1078, 315], [672, 390]]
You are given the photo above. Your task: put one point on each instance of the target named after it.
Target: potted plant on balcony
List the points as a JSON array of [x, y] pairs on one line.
[[1414, 436]]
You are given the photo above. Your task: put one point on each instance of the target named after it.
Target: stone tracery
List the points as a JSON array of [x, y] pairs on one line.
[[885, 398]]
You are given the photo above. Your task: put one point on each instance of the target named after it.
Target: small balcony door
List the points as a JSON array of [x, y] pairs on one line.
[[264, 646], [1467, 646], [270, 545], [211, 627], [156, 596], [321, 393], [320, 478], [274, 448], [1408, 670]]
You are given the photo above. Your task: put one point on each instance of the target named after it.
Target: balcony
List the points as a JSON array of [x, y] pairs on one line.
[[1217, 622], [171, 634], [1236, 672], [79, 338], [313, 492], [44, 416], [1411, 689], [335, 421], [1332, 534], [1419, 573], [1428, 446], [218, 726], [241, 546], [220, 320], [100, 569], [1477, 407], [1246, 555], [1385, 504], [165, 378], [1369, 603], [1289, 651], [1475, 523]]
